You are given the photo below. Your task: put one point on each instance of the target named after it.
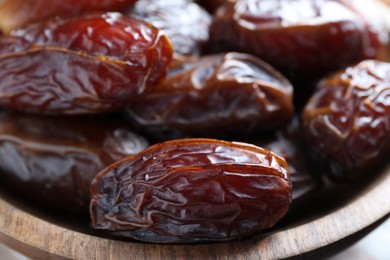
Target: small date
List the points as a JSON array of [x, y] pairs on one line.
[[348, 119], [191, 190], [88, 64], [216, 96]]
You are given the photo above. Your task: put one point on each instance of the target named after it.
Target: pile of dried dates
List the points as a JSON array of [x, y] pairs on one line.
[[189, 121]]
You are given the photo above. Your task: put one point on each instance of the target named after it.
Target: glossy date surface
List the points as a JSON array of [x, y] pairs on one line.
[[88, 64], [185, 23], [17, 13], [52, 160], [377, 27], [348, 119], [191, 190], [288, 142], [300, 37], [217, 95]]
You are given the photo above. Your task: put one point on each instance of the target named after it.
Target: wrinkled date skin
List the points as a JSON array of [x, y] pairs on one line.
[[300, 38], [17, 13], [216, 96], [348, 119], [185, 23], [52, 160], [88, 64], [289, 144], [191, 190]]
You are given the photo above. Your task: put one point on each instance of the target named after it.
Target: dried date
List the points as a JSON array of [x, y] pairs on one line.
[[301, 38], [17, 13], [215, 96], [348, 119], [288, 143], [185, 23], [52, 160], [377, 45], [88, 64], [191, 190]]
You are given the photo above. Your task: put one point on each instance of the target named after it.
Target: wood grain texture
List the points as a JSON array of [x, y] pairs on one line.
[[41, 239]]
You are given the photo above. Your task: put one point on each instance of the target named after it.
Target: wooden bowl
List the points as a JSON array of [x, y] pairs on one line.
[[337, 219], [334, 220]]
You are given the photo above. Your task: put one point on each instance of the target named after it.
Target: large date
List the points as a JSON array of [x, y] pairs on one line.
[[88, 64], [215, 96], [17, 13], [301, 38], [52, 160], [191, 190]]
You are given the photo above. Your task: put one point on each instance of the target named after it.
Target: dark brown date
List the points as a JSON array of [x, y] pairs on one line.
[[376, 26], [348, 119], [216, 96], [88, 64], [301, 38], [185, 23], [289, 144], [52, 160], [191, 190], [17, 13]]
